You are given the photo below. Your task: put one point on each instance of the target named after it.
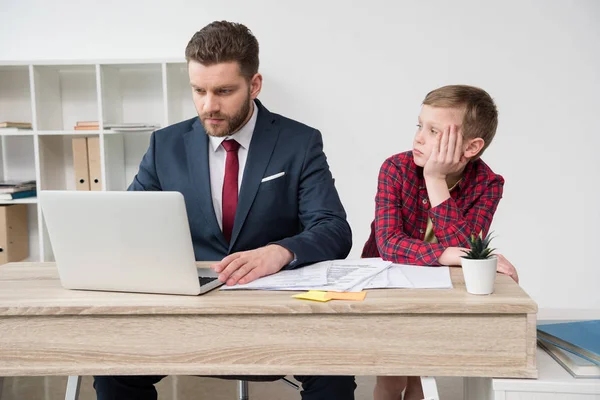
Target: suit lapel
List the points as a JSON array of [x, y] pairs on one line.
[[196, 145], [261, 147]]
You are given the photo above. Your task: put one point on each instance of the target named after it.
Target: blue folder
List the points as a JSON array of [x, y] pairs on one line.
[[581, 337], [22, 195]]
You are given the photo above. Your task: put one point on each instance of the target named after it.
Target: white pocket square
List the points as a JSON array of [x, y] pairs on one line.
[[270, 178]]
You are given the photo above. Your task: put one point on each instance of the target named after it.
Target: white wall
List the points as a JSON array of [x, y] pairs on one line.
[[358, 72]]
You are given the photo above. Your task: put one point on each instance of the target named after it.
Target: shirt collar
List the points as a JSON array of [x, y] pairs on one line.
[[243, 136]]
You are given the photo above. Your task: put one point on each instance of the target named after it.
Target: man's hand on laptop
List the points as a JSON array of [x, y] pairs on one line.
[[246, 266]]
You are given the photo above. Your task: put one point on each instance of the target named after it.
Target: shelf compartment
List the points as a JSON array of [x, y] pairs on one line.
[[179, 93], [65, 95]]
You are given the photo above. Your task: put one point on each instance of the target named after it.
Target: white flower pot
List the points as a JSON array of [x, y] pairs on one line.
[[480, 275]]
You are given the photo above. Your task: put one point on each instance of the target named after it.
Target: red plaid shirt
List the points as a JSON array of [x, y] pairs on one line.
[[402, 207]]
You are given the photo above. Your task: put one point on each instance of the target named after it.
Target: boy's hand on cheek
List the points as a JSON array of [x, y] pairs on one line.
[[446, 156]]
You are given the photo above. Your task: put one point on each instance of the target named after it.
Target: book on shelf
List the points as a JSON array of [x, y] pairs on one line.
[[581, 338], [18, 125], [577, 366], [87, 126], [131, 127], [18, 195], [15, 186], [87, 123], [118, 127], [14, 127]]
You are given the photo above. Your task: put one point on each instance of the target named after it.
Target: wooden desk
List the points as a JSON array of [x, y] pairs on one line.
[[47, 330]]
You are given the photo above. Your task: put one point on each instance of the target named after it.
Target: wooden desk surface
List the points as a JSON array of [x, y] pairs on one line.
[[47, 330], [34, 289]]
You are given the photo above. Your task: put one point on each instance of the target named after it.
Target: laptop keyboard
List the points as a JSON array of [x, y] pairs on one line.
[[206, 280]]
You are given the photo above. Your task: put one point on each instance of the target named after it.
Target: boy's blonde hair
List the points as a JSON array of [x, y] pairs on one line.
[[481, 116]]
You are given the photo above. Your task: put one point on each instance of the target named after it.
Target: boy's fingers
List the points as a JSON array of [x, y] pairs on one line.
[[451, 144], [436, 147], [458, 151], [444, 143]]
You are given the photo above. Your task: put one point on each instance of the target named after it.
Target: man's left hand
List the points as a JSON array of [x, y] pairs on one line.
[[246, 266]]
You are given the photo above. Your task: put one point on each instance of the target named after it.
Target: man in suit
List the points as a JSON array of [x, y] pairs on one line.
[[257, 186]]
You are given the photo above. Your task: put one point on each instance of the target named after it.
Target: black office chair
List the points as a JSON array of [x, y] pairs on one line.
[[74, 384]]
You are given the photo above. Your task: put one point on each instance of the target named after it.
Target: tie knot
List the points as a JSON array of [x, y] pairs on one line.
[[230, 145]]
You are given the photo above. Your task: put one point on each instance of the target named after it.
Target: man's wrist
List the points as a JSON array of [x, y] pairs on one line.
[[286, 256]]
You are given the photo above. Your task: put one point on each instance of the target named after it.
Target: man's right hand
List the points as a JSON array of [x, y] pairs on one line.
[[246, 266]]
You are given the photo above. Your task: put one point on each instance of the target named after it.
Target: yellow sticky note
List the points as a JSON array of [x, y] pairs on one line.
[[315, 295], [356, 296]]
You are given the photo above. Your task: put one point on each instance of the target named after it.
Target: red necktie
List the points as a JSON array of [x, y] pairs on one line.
[[230, 186]]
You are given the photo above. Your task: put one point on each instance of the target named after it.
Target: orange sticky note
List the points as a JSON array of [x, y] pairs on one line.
[[314, 295], [356, 296]]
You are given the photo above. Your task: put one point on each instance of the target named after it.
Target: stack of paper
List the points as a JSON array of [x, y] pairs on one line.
[[333, 276], [410, 277], [352, 276]]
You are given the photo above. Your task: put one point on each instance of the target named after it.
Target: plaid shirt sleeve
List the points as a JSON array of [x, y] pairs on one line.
[[453, 226], [392, 241]]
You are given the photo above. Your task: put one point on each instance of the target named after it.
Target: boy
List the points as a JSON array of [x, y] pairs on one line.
[[432, 199]]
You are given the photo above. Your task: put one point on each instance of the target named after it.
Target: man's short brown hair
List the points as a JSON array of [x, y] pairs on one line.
[[481, 116], [223, 41]]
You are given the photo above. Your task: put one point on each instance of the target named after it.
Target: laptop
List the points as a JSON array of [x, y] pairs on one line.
[[123, 241]]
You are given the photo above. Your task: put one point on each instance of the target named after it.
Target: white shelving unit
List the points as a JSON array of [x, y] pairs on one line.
[[53, 96]]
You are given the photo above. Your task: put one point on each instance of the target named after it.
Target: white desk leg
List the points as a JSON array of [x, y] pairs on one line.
[[478, 389], [73, 384], [430, 391]]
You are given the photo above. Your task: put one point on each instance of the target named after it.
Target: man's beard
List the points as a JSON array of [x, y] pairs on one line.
[[230, 125]]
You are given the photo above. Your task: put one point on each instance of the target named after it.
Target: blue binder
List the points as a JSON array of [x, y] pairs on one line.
[[581, 337]]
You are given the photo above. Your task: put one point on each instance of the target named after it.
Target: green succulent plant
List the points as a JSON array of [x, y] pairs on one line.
[[479, 247]]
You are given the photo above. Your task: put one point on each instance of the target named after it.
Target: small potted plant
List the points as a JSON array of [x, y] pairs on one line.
[[479, 265]]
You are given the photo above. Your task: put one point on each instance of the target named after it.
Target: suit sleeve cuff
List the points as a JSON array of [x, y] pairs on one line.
[[285, 243]]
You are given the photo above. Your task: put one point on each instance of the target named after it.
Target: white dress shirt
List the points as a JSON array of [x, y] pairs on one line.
[[217, 157]]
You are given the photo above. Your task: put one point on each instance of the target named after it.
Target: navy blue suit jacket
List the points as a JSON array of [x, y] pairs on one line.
[[300, 211]]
